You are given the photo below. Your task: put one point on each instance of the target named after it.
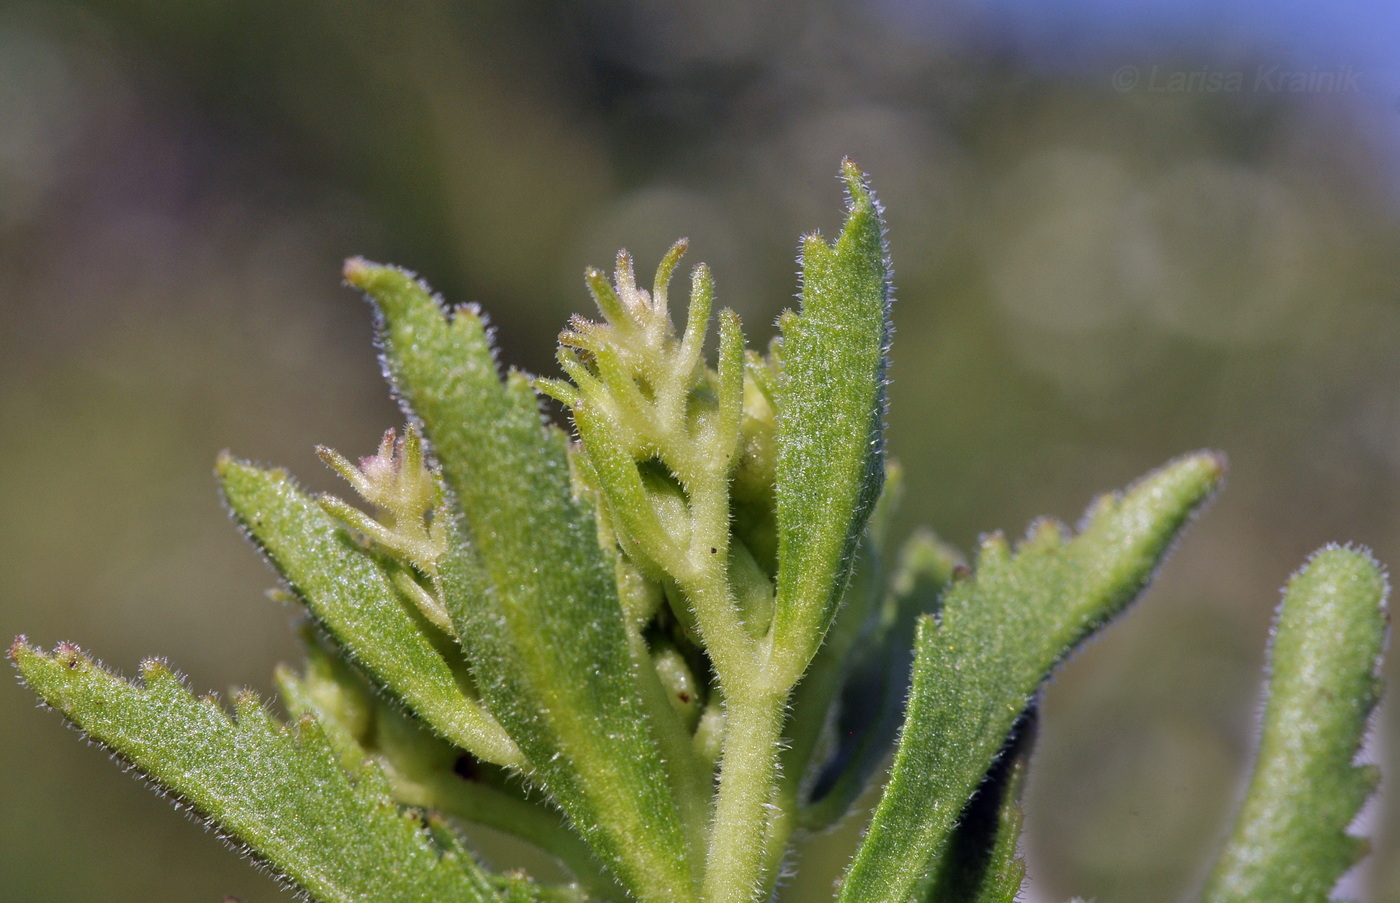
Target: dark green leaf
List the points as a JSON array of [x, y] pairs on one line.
[[999, 634]]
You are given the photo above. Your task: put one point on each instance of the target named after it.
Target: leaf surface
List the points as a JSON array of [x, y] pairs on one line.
[[353, 598], [830, 422], [278, 788], [981, 862], [877, 681], [999, 635], [530, 592], [1290, 843]]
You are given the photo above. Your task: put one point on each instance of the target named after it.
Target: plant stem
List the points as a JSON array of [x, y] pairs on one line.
[[738, 859], [708, 593]]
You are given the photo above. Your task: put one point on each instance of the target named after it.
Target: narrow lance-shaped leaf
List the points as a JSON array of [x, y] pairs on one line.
[[981, 863], [999, 634], [530, 591], [1290, 843], [830, 426], [278, 788], [349, 593]]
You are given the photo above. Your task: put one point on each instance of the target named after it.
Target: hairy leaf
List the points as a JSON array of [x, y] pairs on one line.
[[877, 679], [529, 590], [423, 770], [278, 788], [981, 862], [830, 429], [353, 597], [1290, 843], [999, 634]]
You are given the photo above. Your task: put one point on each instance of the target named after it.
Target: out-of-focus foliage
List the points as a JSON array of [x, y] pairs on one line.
[[1305, 789], [1090, 281]]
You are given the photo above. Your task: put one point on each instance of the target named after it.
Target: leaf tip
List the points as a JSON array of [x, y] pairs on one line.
[[392, 289], [1350, 561], [356, 272], [811, 247], [1193, 478], [854, 178], [1351, 572], [993, 545], [1207, 466], [225, 464], [27, 656], [864, 213], [1045, 534], [1182, 485], [19, 647], [1213, 463]]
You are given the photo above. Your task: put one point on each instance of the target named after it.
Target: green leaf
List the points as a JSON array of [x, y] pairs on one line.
[[422, 770], [352, 596], [1290, 841], [278, 788], [981, 863], [529, 590], [876, 679], [830, 423], [999, 634]]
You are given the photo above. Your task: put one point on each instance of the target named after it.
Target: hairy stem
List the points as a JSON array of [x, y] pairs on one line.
[[738, 860]]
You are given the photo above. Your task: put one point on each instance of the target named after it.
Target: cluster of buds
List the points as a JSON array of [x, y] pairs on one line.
[[681, 459], [408, 523]]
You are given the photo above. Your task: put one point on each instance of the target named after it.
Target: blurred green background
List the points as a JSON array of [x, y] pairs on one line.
[[1096, 271]]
